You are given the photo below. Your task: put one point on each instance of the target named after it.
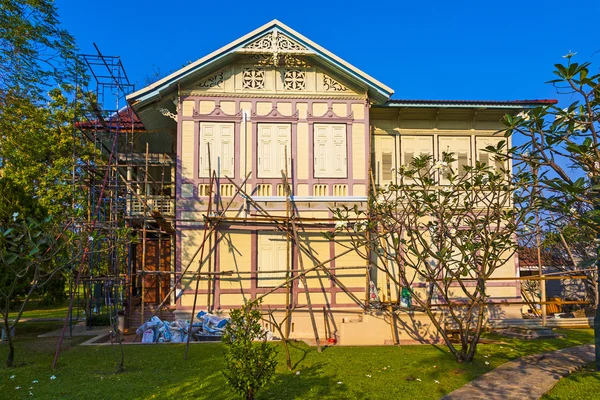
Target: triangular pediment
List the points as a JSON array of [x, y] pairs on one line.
[[275, 44]]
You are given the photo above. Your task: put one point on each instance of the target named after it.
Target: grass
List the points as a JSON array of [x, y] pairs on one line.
[[579, 385], [159, 371], [34, 310]]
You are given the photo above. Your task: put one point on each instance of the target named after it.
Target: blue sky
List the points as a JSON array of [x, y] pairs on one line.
[[482, 50]]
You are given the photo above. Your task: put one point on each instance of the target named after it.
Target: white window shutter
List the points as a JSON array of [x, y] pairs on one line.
[[265, 261], [283, 144], [272, 257], [338, 133], [265, 149], [461, 148], [485, 156], [208, 136], [321, 143], [330, 151], [227, 151], [272, 142]]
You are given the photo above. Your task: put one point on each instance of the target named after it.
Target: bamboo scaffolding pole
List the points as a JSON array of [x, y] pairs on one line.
[[308, 252], [289, 267], [200, 247], [200, 262], [296, 240], [144, 240], [224, 273], [305, 286]]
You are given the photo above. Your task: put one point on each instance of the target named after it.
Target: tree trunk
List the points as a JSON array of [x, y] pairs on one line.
[[288, 357], [11, 345]]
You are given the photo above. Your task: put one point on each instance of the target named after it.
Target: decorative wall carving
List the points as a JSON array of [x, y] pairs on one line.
[[253, 78], [294, 62], [276, 41], [331, 85], [260, 59], [276, 44], [294, 79], [168, 114], [214, 81]]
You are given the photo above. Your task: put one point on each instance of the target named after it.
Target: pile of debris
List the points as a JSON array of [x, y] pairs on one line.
[[206, 327]]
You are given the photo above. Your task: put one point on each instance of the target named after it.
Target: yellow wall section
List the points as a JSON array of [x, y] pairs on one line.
[[340, 109], [187, 152], [285, 108], [188, 108], [358, 190], [263, 107], [236, 256], [206, 106], [302, 110], [344, 298], [358, 111], [302, 190], [228, 107], [349, 277], [358, 151], [302, 151], [319, 109], [233, 300], [191, 241], [274, 299]]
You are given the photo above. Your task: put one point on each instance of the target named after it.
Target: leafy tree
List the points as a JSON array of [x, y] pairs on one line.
[[563, 145], [35, 52], [572, 245], [250, 360], [32, 253], [441, 243], [38, 103]]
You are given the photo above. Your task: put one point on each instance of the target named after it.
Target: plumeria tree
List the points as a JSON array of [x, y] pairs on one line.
[[563, 146], [441, 242]]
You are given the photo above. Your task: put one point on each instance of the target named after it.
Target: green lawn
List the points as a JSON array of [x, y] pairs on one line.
[[584, 384], [35, 310], [159, 371]]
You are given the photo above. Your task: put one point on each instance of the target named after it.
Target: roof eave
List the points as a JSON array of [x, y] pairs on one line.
[[378, 91]]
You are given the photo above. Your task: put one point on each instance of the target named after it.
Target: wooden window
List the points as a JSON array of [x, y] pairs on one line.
[[220, 137], [273, 139], [481, 142], [460, 146], [384, 158], [272, 248], [330, 150], [415, 146]]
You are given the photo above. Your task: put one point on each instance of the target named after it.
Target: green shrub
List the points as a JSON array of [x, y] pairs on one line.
[[250, 360]]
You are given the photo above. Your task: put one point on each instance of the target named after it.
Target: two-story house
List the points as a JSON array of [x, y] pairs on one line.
[[273, 101]]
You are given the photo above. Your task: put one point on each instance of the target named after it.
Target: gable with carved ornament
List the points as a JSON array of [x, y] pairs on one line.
[[255, 74]]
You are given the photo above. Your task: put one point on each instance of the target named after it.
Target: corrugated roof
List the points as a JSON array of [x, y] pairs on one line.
[[123, 120], [468, 103], [528, 258]]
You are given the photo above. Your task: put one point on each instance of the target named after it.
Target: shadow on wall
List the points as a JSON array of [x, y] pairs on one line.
[[420, 329]]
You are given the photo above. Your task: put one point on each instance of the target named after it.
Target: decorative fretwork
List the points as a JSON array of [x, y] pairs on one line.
[[294, 79], [276, 44], [275, 40], [330, 84], [294, 62], [260, 59], [168, 113], [253, 78], [214, 81]]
